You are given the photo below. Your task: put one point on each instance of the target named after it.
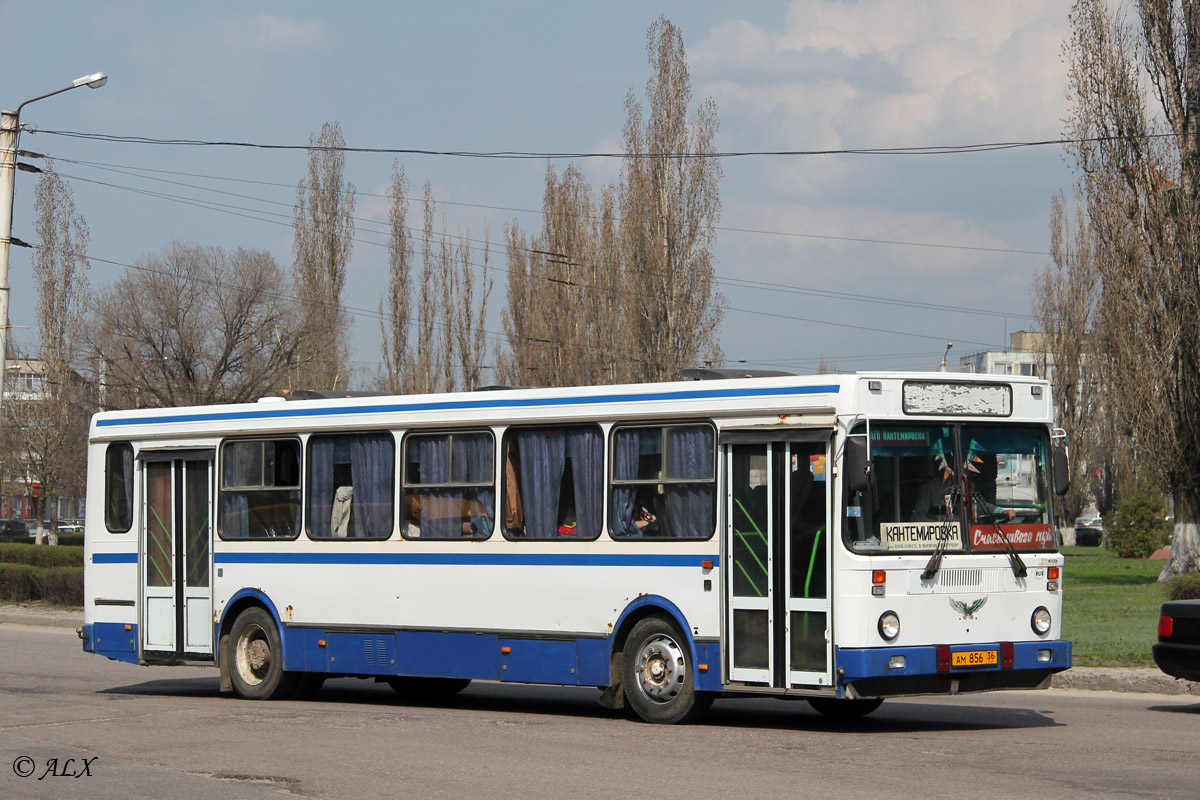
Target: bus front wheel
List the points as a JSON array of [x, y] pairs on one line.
[[257, 653], [657, 674]]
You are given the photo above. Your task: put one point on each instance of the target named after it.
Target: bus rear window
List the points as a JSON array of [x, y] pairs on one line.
[[118, 487]]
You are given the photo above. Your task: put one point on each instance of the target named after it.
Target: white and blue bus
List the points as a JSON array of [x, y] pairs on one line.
[[838, 539]]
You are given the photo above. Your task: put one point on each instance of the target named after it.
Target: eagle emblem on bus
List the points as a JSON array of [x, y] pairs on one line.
[[968, 609]]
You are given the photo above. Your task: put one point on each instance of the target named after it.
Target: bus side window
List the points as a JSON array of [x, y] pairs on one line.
[[260, 489], [118, 487], [449, 486], [553, 482], [349, 487], [663, 482]]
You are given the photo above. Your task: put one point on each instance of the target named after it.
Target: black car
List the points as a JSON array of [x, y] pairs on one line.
[[1178, 650], [1089, 530], [14, 530]]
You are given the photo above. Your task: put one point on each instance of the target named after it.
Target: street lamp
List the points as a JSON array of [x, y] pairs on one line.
[[10, 132], [948, 346]]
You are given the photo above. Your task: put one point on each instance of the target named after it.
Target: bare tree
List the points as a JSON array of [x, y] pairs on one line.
[[324, 234], [194, 325], [447, 304], [395, 307], [670, 203], [1138, 155], [567, 299], [51, 418]]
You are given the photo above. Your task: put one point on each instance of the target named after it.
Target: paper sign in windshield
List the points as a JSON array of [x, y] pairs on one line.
[[1022, 537], [920, 535]]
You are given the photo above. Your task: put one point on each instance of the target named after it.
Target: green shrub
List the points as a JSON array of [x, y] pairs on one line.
[[62, 586], [41, 555], [1138, 525], [1184, 587], [20, 582], [70, 540]]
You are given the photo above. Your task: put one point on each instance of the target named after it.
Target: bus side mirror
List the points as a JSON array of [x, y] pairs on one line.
[[1062, 470], [858, 472]]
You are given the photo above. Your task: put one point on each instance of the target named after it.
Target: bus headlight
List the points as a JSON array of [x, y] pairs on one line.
[[1040, 621], [889, 625]]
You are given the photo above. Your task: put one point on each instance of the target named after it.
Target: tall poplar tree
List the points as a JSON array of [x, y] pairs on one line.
[[323, 241]]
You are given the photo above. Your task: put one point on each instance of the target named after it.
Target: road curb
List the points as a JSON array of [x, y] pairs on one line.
[[1123, 679]]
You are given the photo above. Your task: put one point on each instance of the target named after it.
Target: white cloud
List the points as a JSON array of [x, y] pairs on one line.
[[882, 72]]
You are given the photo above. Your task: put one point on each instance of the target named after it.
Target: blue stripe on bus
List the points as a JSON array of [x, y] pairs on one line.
[[464, 405], [114, 558], [471, 559]]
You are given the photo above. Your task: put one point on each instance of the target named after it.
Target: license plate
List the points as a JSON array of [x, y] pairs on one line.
[[974, 658]]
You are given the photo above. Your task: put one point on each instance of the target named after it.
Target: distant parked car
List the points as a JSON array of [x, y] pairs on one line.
[[14, 530], [1178, 650], [1089, 530]]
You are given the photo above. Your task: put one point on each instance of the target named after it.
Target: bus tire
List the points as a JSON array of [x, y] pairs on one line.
[[419, 689], [257, 657], [844, 709], [657, 674]]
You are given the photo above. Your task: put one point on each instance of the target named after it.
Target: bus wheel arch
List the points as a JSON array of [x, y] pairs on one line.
[[646, 632], [251, 648]]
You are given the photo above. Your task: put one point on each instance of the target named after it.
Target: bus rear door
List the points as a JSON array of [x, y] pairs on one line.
[[175, 554]]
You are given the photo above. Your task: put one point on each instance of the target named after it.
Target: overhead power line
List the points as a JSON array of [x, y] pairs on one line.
[[922, 150], [249, 213], [136, 171]]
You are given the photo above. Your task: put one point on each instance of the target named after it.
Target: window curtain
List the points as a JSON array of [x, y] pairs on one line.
[[587, 464], [320, 489], [441, 508], [625, 463], [371, 460], [690, 506], [473, 463], [542, 461]]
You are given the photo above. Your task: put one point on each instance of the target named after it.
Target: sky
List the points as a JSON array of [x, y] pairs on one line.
[[864, 261]]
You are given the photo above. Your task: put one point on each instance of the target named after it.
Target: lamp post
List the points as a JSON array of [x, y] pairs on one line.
[[948, 346], [10, 132]]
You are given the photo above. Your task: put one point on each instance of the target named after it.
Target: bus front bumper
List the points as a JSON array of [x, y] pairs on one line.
[[949, 669]]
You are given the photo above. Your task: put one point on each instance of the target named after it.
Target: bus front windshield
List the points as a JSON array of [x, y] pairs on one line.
[[961, 487]]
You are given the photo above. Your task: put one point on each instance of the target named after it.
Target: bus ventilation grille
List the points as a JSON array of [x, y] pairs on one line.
[[972, 580], [375, 651]]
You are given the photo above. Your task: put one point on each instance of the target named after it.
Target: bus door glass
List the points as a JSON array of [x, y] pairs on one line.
[[777, 557], [175, 553]]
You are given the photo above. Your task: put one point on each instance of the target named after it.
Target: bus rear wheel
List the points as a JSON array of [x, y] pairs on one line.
[[844, 709], [657, 674], [257, 652]]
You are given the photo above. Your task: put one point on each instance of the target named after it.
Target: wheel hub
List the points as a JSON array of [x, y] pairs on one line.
[[258, 654], [662, 670]]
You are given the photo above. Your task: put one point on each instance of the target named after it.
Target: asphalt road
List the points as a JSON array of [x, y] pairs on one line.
[[165, 732]]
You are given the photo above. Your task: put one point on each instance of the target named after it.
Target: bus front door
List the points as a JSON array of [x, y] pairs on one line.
[[175, 555], [777, 560]]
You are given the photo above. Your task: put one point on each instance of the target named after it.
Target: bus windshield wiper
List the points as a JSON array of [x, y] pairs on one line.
[[935, 560], [1014, 558]]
